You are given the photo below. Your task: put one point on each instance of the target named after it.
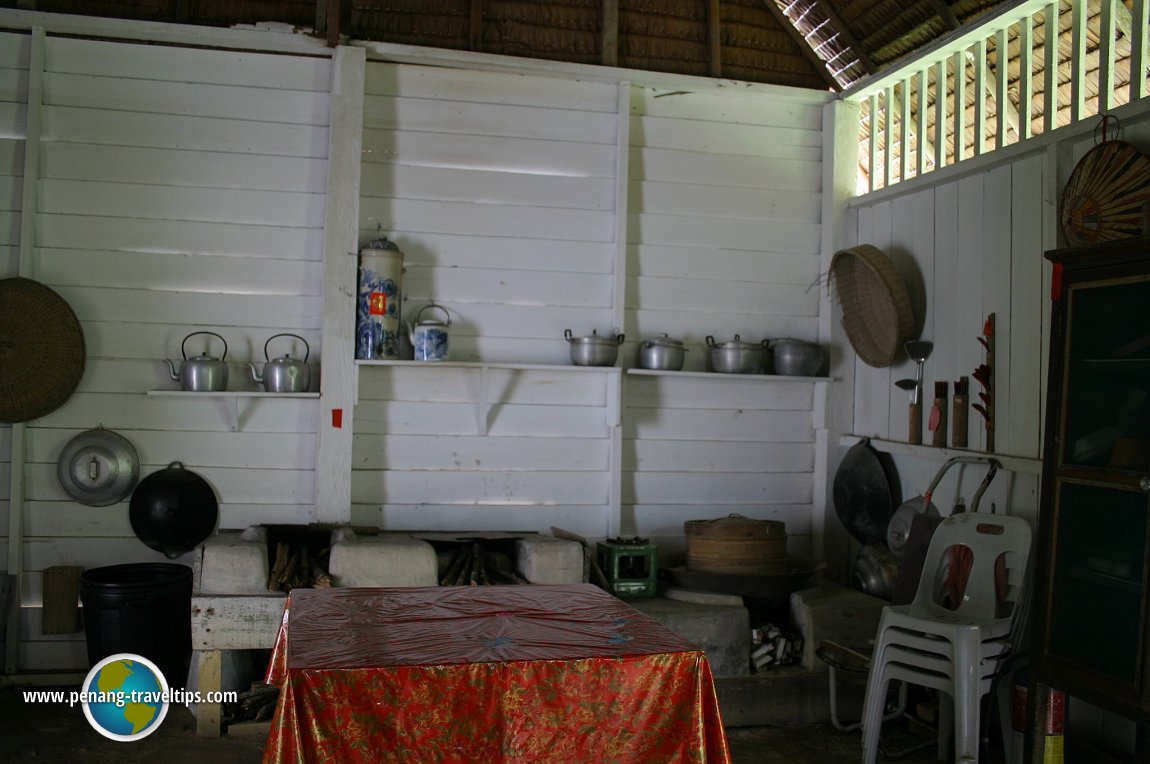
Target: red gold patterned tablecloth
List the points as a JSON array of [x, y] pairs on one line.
[[486, 674]]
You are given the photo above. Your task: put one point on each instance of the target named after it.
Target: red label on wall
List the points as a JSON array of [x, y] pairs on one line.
[[377, 304]]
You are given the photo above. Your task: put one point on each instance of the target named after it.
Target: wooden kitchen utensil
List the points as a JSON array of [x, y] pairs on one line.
[[937, 422]]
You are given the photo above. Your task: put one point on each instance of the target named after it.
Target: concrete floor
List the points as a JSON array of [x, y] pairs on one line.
[[41, 733]]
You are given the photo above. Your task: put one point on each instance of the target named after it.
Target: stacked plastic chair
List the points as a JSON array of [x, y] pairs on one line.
[[953, 638]]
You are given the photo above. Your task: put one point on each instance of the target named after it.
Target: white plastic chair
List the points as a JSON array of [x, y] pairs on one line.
[[955, 650]]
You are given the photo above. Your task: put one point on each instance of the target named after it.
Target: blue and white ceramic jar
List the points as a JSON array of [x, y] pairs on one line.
[[377, 308]]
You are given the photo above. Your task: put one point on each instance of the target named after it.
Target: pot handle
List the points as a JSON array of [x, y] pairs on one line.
[[306, 347], [446, 315], [766, 344], [710, 341], [567, 335], [619, 338], [193, 334]]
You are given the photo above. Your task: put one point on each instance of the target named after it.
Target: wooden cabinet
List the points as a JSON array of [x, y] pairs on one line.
[[1090, 635]]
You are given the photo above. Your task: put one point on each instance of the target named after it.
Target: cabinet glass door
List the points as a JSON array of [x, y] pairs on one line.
[[1107, 403], [1095, 617]]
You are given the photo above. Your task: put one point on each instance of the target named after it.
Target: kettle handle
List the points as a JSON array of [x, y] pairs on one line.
[[306, 347], [419, 312], [193, 334]]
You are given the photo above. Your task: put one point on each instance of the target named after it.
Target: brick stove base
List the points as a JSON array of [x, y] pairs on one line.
[[232, 608]]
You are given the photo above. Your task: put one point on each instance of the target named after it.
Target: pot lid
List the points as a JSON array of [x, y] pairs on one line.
[[594, 339], [41, 350], [98, 467], [663, 339], [737, 342], [735, 526]]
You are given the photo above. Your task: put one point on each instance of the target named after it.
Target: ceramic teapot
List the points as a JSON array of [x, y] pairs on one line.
[[429, 337]]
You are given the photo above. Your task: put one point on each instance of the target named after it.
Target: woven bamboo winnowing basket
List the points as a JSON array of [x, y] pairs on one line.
[[877, 314]]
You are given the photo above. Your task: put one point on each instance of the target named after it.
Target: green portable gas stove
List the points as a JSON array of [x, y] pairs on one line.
[[629, 565]]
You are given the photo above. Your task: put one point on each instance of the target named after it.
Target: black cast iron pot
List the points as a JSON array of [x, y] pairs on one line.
[[173, 510]]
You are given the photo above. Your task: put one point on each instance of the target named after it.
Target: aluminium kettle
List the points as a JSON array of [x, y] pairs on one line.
[[284, 375], [201, 373]]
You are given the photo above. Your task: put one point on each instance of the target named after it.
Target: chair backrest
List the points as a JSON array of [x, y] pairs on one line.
[[995, 547]]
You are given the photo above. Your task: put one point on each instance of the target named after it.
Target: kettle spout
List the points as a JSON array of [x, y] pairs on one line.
[[256, 376], [172, 370]]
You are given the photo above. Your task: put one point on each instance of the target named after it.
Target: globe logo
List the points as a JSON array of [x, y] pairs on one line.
[[125, 697]]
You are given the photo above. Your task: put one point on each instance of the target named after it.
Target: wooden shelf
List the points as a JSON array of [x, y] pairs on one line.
[[1024, 464], [722, 375], [491, 365], [483, 404], [231, 400], [230, 394]]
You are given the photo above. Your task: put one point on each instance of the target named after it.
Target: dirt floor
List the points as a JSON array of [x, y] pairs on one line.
[[47, 733]]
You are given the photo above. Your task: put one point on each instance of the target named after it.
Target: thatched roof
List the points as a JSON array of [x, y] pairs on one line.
[[784, 42]]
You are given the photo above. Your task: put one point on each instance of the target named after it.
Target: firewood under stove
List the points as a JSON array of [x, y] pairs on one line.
[[298, 567], [472, 565]]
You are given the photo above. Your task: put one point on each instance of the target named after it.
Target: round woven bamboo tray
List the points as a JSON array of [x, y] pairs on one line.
[[736, 545], [1106, 193], [41, 350], [877, 314]]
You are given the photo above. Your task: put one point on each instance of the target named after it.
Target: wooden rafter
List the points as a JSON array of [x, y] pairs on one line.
[[609, 47], [819, 65], [839, 26]]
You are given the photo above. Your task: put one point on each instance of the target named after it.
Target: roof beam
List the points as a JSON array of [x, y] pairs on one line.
[[848, 37], [819, 65], [714, 40], [946, 14], [609, 48]]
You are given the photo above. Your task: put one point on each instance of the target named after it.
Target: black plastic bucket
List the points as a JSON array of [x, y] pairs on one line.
[[141, 608]]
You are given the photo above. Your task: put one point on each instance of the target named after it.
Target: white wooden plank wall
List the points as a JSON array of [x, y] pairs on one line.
[[695, 450], [974, 245], [723, 239], [425, 456], [500, 191], [966, 247], [724, 217], [180, 190], [14, 55]]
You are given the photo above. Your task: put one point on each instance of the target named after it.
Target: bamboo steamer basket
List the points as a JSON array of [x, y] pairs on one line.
[[736, 545]]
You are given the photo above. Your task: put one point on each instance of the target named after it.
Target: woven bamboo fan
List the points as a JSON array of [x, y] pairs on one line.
[[877, 314], [41, 350], [1103, 199]]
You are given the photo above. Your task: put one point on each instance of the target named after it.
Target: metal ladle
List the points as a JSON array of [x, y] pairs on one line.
[[918, 351]]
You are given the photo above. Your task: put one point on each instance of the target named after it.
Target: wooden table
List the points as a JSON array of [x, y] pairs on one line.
[[489, 673]]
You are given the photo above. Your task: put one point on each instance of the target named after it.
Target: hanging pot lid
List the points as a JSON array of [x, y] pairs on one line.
[[98, 467], [41, 350]]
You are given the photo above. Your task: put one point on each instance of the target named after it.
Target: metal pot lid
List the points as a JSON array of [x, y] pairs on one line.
[[735, 344], [98, 467], [593, 339], [664, 341]]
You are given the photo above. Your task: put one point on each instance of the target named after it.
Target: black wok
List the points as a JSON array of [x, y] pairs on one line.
[[866, 492], [173, 510]]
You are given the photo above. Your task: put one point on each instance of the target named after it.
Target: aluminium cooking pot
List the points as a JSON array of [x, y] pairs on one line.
[[594, 350], [284, 375], [173, 510], [736, 356], [661, 352], [797, 358]]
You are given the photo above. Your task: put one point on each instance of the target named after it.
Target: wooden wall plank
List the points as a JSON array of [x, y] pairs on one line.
[[186, 64]]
